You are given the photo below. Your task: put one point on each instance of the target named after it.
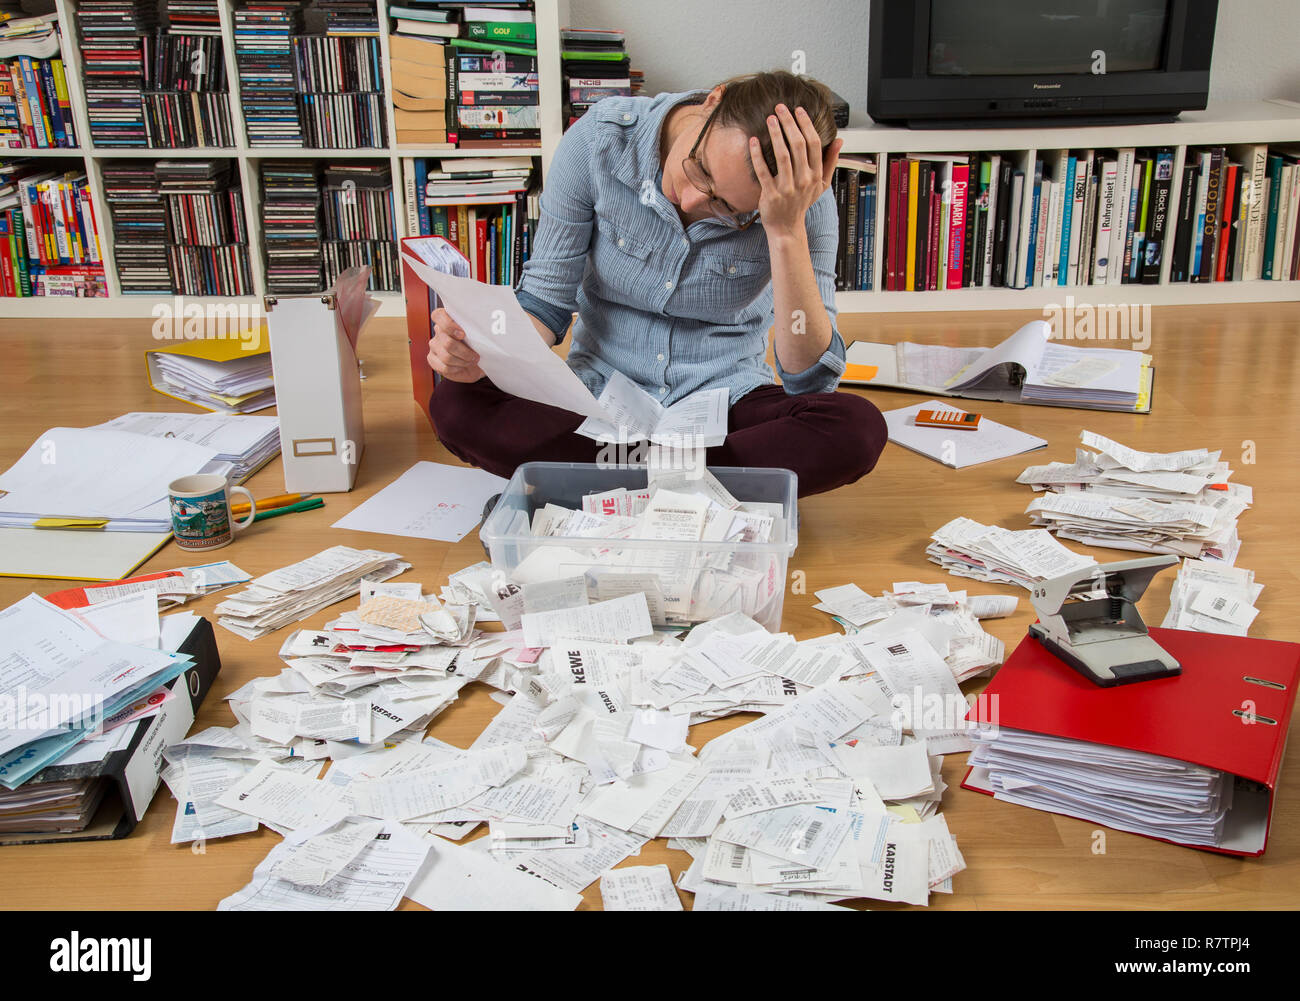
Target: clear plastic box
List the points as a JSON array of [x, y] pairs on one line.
[[698, 580]]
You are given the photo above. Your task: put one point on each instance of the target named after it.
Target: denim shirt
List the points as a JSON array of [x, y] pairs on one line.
[[677, 310]]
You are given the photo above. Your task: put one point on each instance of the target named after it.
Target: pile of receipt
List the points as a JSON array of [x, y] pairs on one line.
[[1152, 502], [832, 793]]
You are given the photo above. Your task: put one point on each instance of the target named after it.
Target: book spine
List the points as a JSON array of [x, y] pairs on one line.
[[1029, 242], [1198, 216], [1154, 248], [64, 101], [1015, 205], [1292, 216], [991, 217], [1213, 212], [972, 211], [1105, 220], [1005, 193], [934, 239], [1080, 195], [453, 94], [1273, 195], [867, 273], [1067, 216], [854, 229], [957, 225], [1283, 215], [1088, 234], [1124, 160], [1037, 278], [924, 199], [481, 245], [913, 184], [1132, 244], [421, 187], [981, 222], [1227, 199], [899, 225], [40, 124], [501, 31], [1256, 166], [409, 196]]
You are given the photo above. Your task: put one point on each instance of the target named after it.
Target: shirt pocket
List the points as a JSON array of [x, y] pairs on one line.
[[739, 280], [625, 267]]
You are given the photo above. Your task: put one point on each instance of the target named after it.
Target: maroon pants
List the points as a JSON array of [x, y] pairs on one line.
[[827, 439]]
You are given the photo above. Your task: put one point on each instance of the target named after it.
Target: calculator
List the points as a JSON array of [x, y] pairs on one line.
[[950, 419]]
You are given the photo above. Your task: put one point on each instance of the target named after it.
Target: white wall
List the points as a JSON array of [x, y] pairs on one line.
[[683, 44]]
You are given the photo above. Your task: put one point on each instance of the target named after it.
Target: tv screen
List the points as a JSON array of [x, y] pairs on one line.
[[1046, 37]]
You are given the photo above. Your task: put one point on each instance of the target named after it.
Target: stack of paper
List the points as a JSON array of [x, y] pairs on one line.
[[1128, 790], [1100, 378], [239, 385], [966, 548], [1208, 597], [64, 677], [247, 443], [294, 592], [1155, 502], [948, 620], [101, 478]]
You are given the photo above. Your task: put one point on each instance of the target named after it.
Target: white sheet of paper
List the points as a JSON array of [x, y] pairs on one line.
[[430, 500], [511, 353], [957, 449]]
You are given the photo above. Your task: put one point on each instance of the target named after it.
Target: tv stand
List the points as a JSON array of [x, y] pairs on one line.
[[1054, 122]]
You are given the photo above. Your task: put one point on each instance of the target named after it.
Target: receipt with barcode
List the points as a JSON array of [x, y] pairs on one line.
[[806, 834]]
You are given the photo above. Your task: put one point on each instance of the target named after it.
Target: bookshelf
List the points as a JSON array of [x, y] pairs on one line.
[[550, 15], [1228, 124], [1272, 122]]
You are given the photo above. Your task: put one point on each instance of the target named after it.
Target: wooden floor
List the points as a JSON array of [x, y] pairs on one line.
[[1227, 378]]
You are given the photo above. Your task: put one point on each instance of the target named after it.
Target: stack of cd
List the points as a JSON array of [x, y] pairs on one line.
[[205, 211], [116, 56], [188, 101], [265, 56], [195, 17], [291, 226], [349, 17], [359, 227], [140, 234]]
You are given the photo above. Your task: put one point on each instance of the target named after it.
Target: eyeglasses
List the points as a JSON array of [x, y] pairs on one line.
[[700, 179]]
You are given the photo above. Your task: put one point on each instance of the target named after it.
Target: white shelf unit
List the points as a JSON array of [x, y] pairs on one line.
[[551, 15], [1228, 124]]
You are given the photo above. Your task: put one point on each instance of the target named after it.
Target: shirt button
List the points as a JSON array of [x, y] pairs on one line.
[[620, 243], [686, 241], [662, 391], [661, 357], [627, 118], [731, 270], [668, 284]]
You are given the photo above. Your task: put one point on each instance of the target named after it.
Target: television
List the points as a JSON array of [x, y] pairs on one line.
[[954, 63]]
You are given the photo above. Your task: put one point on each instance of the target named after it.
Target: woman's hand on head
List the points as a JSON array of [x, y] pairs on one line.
[[449, 355], [802, 172]]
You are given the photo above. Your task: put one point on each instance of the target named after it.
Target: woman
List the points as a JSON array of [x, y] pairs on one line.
[[681, 228]]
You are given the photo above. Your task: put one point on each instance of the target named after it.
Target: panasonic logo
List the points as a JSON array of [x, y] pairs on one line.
[[1047, 86]]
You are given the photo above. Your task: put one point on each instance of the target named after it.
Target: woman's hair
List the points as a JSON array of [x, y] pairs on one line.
[[748, 100]]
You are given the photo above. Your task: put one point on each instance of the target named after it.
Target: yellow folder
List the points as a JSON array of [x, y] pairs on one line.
[[218, 349]]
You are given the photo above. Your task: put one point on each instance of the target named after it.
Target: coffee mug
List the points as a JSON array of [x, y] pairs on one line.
[[200, 507]]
